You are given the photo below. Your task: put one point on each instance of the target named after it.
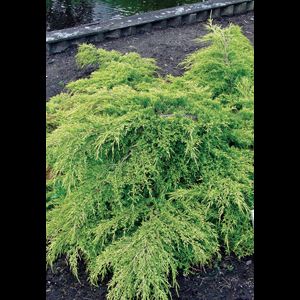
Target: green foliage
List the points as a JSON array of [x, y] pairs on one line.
[[152, 175], [54, 193], [224, 63]]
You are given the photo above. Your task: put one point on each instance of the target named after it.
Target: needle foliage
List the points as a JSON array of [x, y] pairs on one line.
[[152, 175]]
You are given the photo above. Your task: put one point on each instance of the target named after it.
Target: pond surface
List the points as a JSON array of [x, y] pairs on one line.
[[69, 13]]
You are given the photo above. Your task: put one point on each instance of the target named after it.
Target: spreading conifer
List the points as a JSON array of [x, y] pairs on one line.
[[152, 175]]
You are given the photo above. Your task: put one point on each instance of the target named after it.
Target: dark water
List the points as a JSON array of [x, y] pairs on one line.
[[68, 13]]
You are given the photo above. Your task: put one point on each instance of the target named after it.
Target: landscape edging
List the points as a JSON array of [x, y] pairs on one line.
[[59, 40]]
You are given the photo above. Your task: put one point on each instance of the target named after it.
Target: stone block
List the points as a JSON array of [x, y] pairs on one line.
[[98, 37], [189, 19], [227, 11], [128, 31], [114, 34], [78, 41], [202, 16], [193, 18], [48, 48], [250, 6], [144, 28], [159, 24], [216, 13], [240, 8], [173, 22]]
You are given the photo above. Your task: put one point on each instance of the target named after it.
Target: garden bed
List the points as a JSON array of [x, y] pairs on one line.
[[168, 46], [231, 278]]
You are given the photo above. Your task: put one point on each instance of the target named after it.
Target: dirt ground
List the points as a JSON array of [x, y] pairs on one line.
[[232, 279], [168, 46], [229, 280]]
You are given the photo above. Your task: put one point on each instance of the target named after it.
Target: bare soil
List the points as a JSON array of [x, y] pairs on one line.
[[168, 46], [232, 279]]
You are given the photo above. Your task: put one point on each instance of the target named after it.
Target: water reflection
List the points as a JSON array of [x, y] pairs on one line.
[[131, 7], [69, 13]]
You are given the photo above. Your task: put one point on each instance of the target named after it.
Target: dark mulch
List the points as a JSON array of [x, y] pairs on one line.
[[168, 46], [232, 279]]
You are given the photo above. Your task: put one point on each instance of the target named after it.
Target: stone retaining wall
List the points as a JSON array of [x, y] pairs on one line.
[[59, 40]]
